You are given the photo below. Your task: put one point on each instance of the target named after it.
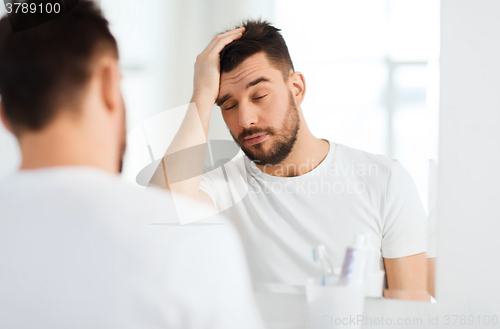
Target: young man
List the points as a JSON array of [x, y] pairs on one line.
[[78, 247], [291, 191]]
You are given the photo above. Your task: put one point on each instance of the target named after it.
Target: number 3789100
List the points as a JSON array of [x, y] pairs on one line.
[[20, 7]]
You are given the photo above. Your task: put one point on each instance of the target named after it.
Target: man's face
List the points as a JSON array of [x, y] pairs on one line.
[[259, 109]]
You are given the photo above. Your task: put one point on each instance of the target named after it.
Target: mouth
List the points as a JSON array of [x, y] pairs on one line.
[[255, 139]]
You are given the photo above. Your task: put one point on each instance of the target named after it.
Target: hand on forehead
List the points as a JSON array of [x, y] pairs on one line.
[[253, 71]]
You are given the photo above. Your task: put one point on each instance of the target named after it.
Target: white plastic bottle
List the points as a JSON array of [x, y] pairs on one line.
[[353, 268]]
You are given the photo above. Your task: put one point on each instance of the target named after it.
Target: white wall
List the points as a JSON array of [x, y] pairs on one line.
[[468, 264], [469, 181], [10, 157]]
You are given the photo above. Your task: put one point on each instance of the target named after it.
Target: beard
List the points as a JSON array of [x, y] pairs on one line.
[[284, 139]]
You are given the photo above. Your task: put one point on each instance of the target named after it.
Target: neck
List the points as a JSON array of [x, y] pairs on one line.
[[307, 153], [65, 143]]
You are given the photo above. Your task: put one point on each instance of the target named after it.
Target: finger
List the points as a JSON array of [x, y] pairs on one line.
[[238, 30], [225, 41], [224, 35]]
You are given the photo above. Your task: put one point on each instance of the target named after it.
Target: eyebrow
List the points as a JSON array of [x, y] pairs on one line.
[[256, 81], [225, 98]]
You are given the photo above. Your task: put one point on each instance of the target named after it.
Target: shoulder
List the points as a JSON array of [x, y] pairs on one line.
[[235, 163], [94, 191], [234, 167], [159, 205], [376, 164]]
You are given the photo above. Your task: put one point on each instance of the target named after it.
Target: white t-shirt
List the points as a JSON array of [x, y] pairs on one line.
[[281, 219], [79, 248]]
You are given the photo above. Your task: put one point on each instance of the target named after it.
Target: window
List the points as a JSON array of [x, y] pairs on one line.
[[371, 69]]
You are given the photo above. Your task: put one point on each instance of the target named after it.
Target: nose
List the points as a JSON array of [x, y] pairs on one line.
[[247, 113]]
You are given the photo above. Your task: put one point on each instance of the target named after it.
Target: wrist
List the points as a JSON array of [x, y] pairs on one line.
[[203, 103]]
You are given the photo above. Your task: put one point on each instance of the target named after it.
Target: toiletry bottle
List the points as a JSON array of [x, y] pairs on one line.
[[353, 268]]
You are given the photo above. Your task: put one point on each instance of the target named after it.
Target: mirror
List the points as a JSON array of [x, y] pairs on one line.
[[371, 72]]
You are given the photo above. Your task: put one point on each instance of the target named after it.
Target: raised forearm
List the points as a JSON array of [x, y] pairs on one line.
[[182, 166]]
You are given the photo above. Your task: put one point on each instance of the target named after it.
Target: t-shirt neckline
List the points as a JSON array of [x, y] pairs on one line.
[[255, 171]]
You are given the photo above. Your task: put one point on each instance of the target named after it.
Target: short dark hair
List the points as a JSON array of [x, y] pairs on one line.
[[259, 36], [47, 66]]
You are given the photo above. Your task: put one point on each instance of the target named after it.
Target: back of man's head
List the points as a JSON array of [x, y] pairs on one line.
[[45, 68], [259, 36]]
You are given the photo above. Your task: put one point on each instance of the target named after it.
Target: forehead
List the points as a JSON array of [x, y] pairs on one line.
[[253, 67]]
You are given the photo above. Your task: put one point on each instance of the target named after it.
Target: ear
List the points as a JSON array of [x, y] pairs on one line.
[[110, 77], [4, 120], [298, 84]]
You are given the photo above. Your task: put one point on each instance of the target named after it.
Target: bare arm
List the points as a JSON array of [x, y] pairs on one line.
[[431, 267], [182, 166], [407, 277]]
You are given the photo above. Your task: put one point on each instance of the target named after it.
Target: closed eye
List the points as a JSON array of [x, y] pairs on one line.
[[260, 97], [228, 108]]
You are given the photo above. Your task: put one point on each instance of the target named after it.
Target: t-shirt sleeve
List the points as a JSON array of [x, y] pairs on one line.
[[405, 221], [207, 185], [220, 183]]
